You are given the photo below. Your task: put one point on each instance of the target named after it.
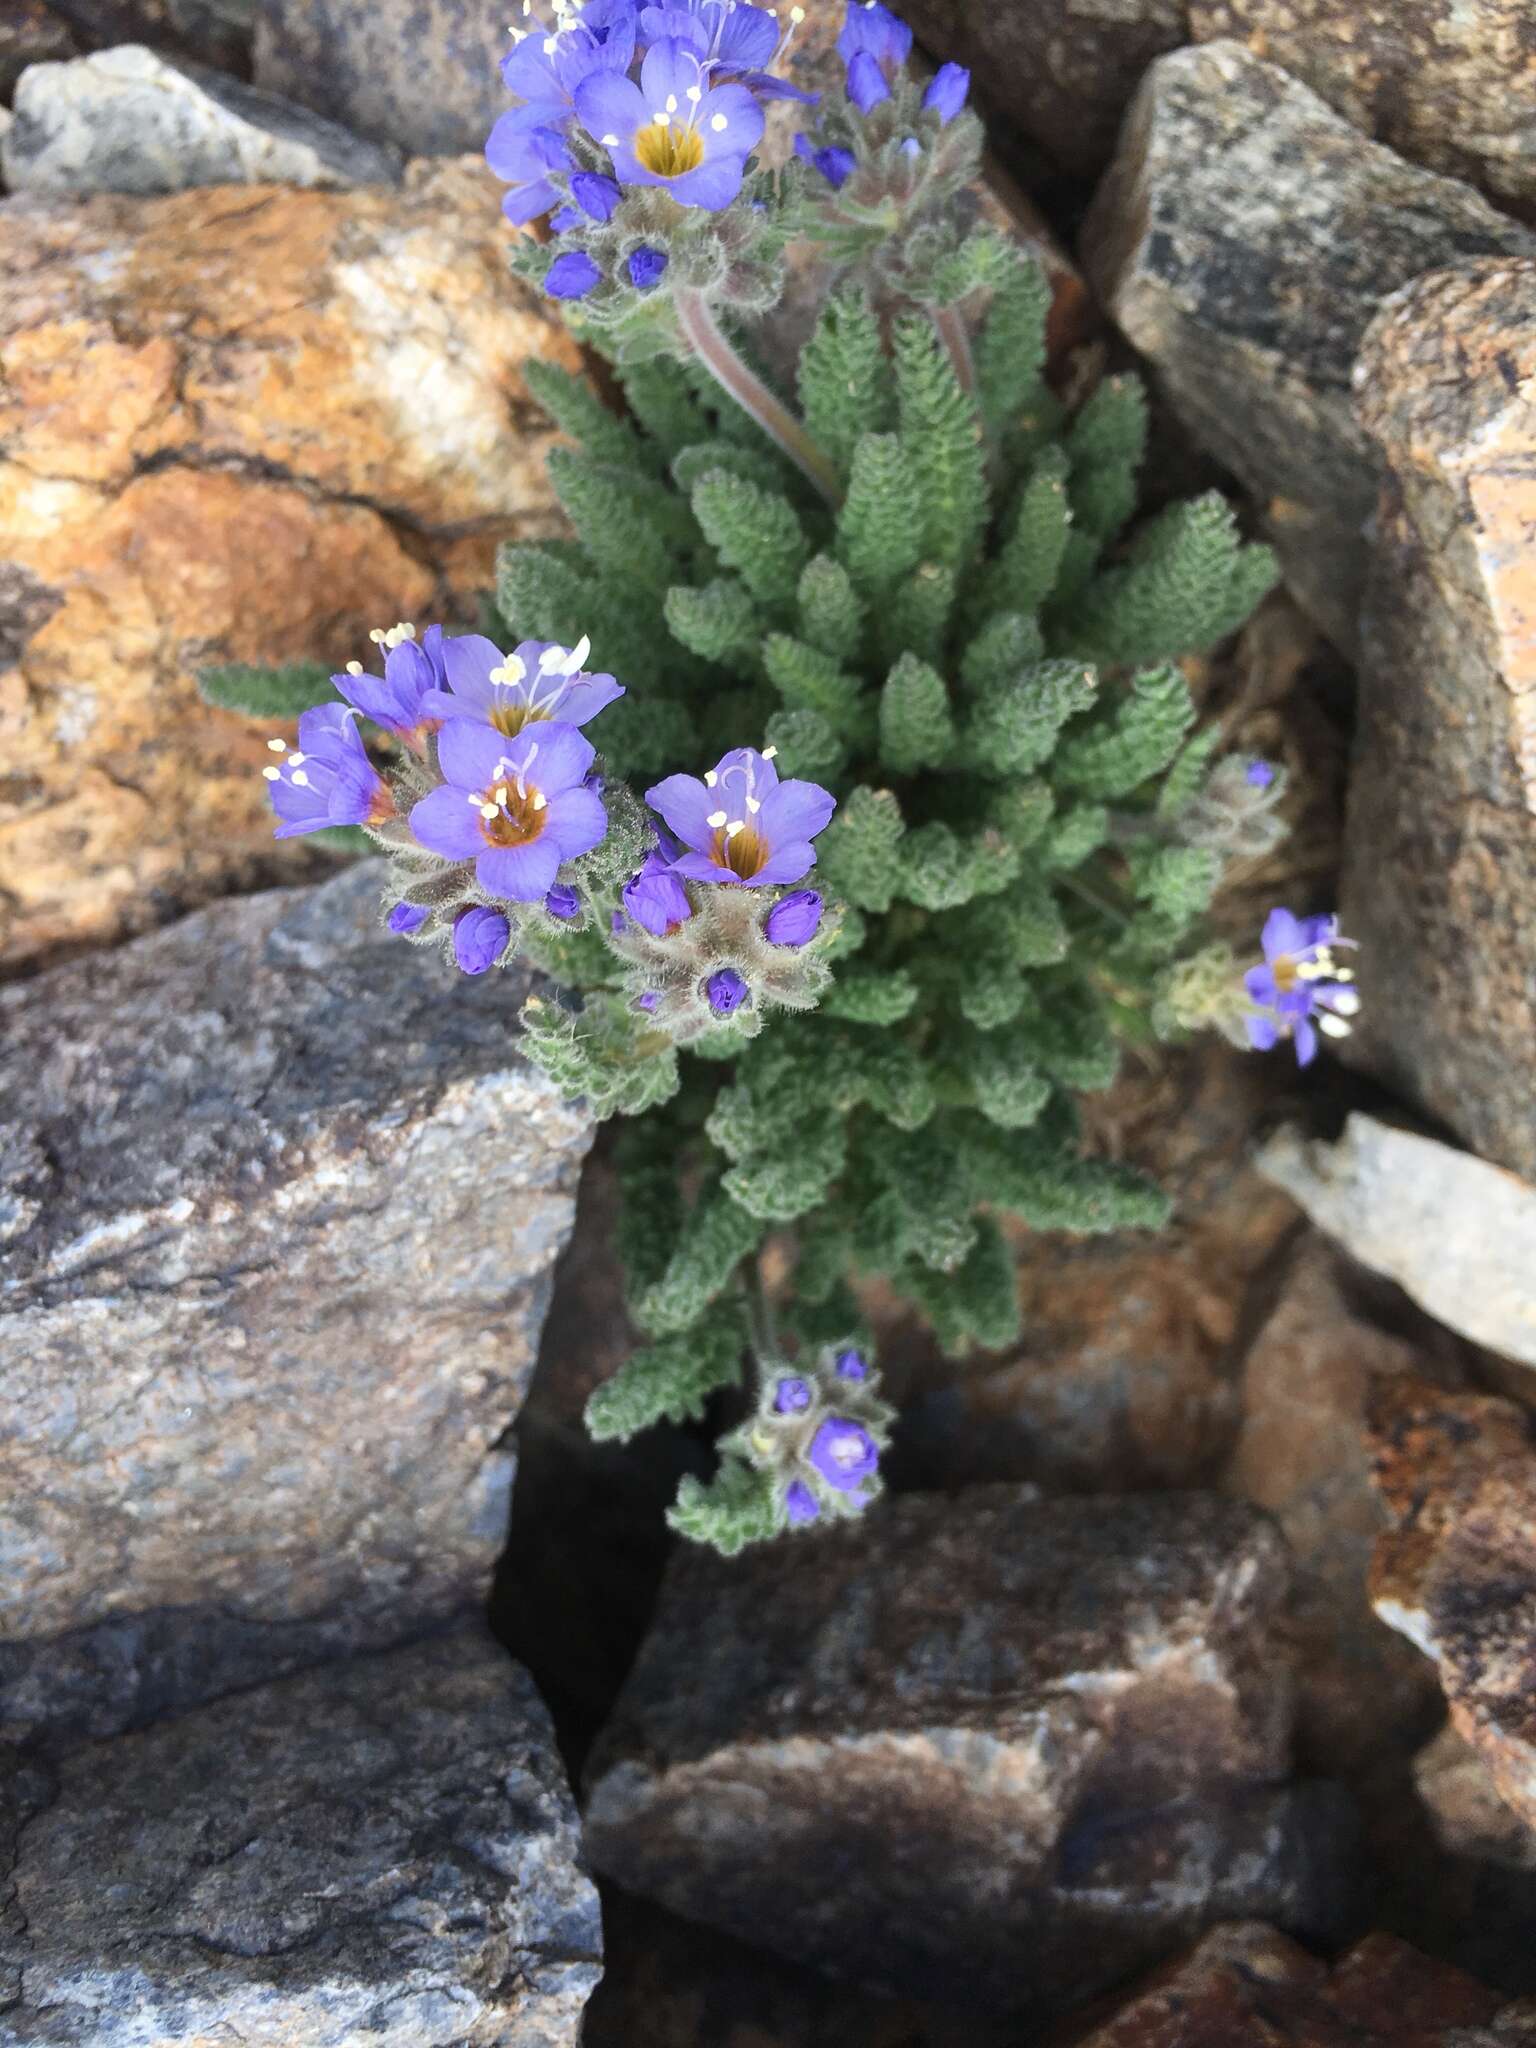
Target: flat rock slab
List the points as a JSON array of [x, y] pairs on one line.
[[1455, 1233], [381, 1854], [283, 1204], [1244, 238], [129, 120], [980, 1749], [1442, 794]]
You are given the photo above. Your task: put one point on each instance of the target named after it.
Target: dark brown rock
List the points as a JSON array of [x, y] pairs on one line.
[[283, 1204], [981, 1749], [1443, 795], [1248, 1987], [1243, 239], [382, 1854], [30, 33], [1469, 1817], [1456, 1572], [1449, 83]]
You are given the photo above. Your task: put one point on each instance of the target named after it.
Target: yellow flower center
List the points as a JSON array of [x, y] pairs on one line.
[[668, 150], [742, 852], [513, 713], [508, 817]]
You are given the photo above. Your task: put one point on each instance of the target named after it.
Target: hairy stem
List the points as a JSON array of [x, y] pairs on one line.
[[743, 384], [952, 332]]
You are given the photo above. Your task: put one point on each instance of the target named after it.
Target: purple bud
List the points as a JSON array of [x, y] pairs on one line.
[[911, 147], [726, 991], [800, 1504], [646, 268], [599, 197], [946, 92], [837, 166], [407, 917], [572, 275], [562, 902], [565, 217], [866, 83], [795, 919], [1260, 774], [617, 922], [852, 1366], [656, 899], [791, 1397], [844, 1453], [648, 1001], [479, 938]]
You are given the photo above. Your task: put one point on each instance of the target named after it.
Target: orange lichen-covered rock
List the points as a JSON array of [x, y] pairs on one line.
[[235, 424]]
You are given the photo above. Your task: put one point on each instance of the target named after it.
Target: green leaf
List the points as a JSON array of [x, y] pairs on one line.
[[916, 729], [942, 438], [880, 528], [736, 1508], [845, 379], [667, 1382], [756, 532], [280, 693]]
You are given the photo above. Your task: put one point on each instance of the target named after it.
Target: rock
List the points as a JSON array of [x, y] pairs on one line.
[[1456, 1573], [125, 120], [234, 425], [1443, 795], [1298, 1454], [1449, 83], [421, 75], [980, 1749], [1247, 1984], [1057, 72], [1469, 1817], [214, 32], [1243, 239], [283, 1205], [380, 1854], [30, 33], [1455, 1233]]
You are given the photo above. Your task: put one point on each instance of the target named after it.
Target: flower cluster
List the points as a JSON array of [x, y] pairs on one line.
[[817, 1434], [1300, 989]]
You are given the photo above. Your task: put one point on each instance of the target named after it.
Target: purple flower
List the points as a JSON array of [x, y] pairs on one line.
[[837, 166], [647, 1002], [851, 1365], [565, 217], [1259, 774], [562, 902], [1300, 986], [791, 1397], [867, 84], [674, 129], [572, 275], [741, 823], [873, 31], [646, 268], [596, 195], [544, 67], [517, 807], [538, 680], [844, 1453], [655, 898], [407, 917], [328, 778], [795, 919], [398, 699], [726, 991], [800, 1504], [947, 90], [479, 938], [732, 39], [523, 150]]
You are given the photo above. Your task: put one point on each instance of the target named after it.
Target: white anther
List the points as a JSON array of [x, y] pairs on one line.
[[695, 93], [718, 123], [301, 780], [552, 657], [736, 825], [671, 102], [1334, 1026], [490, 810], [609, 141], [797, 15], [576, 660], [377, 636], [273, 774], [663, 118], [754, 803], [539, 800], [715, 820], [354, 668], [277, 747], [769, 753], [1346, 1003], [551, 44], [297, 760], [710, 777]]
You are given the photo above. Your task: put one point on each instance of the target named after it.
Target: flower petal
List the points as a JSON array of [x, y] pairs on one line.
[[1263, 1033], [712, 186], [553, 755], [470, 754], [1261, 984], [786, 864], [610, 105], [1282, 933], [446, 822], [743, 119], [468, 659], [1306, 1043], [670, 68], [519, 874], [703, 867], [795, 810], [575, 822], [685, 804], [584, 699]]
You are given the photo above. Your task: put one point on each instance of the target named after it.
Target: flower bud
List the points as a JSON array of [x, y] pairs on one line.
[[563, 902], [599, 197], [646, 268], [791, 1397], [407, 917], [572, 275], [726, 992], [656, 899], [946, 91], [795, 919], [480, 938], [800, 1504], [851, 1365]]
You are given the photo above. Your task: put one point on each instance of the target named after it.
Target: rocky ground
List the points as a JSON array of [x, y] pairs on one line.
[[1185, 1691]]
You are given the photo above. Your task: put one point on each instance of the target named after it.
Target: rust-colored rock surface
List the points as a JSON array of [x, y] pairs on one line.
[[1467, 1814], [1243, 238], [244, 424], [1440, 858], [981, 1749], [1449, 83], [1246, 1986], [1456, 1573]]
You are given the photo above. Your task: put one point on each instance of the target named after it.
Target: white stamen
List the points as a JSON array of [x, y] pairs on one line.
[[769, 753], [552, 657], [695, 93], [539, 799], [710, 777], [297, 760], [277, 747], [1346, 1003], [736, 825], [754, 803], [273, 774], [718, 123], [664, 118], [609, 141], [715, 820], [1335, 1027], [354, 668], [499, 793], [671, 102], [490, 810], [301, 780], [576, 660]]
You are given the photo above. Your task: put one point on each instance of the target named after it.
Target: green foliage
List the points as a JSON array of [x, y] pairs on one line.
[[736, 1508], [669, 1381], [942, 436], [846, 388], [916, 729], [755, 531], [276, 693], [881, 524], [1187, 582]]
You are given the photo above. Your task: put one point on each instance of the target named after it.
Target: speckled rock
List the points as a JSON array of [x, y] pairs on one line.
[[382, 1854], [1248, 1985], [282, 1204], [236, 424], [1456, 1572], [1443, 793], [977, 1748], [1449, 83], [1244, 238], [127, 120], [1468, 1816], [1455, 1233]]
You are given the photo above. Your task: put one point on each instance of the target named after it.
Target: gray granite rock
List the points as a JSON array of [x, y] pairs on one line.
[[130, 120], [421, 74], [283, 1205], [1455, 1233], [977, 1748], [1244, 238], [381, 1854]]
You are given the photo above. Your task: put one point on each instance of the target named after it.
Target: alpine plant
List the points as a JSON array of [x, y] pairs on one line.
[[839, 768]]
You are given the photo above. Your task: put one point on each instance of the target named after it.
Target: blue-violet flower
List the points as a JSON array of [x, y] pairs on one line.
[[538, 680], [873, 31], [674, 129], [646, 268], [800, 1504], [572, 275], [518, 808], [328, 778], [407, 917], [655, 898], [726, 991], [791, 1397], [795, 919], [844, 1453], [1300, 989], [479, 938], [397, 700], [563, 902], [836, 165], [741, 823], [947, 91], [1259, 774], [851, 1365]]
